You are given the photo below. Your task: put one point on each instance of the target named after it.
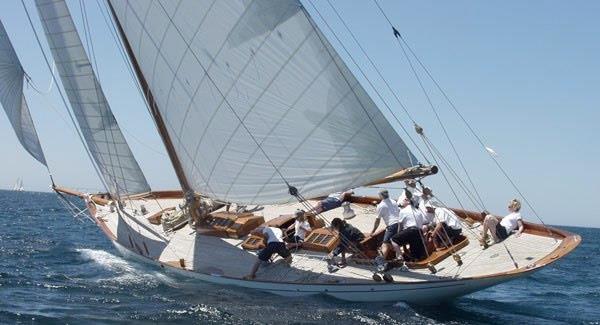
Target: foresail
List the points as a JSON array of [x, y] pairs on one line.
[[98, 125], [13, 100], [245, 85]]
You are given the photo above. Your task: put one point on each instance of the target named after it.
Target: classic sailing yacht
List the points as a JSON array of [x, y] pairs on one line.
[[255, 107]]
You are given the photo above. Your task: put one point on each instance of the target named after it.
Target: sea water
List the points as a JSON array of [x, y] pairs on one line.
[[57, 269]]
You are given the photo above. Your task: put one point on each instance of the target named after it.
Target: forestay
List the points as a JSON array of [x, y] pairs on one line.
[[245, 85], [99, 127], [13, 100]]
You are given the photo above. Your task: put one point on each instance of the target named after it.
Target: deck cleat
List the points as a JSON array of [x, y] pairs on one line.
[[376, 277]]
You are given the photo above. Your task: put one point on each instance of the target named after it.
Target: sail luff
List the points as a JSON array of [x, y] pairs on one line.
[[253, 89], [105, 141], [156, 115], [13, 100]]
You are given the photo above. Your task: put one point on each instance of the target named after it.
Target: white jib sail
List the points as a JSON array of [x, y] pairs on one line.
[[98, 125], [13, 100], [210, 64]]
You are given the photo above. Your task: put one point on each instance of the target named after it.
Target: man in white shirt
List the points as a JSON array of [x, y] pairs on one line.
[[412, 220], [448, 226], [502, 229], [425, 198], [387, 210], [415, 193], [301, 229], [275, 244]]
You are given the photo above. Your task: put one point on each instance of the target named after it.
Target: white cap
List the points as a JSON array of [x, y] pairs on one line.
[[431, 204]]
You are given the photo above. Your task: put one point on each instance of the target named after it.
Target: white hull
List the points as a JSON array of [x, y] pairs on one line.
[[420, 293], [223, 261]]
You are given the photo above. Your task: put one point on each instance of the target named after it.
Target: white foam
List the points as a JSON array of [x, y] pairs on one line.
[[126, 273], [106, 259]]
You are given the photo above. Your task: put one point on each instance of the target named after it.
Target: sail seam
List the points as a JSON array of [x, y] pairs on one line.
[[299, 146], [356, 95], [258, 99], [276, 125], [167, 121]]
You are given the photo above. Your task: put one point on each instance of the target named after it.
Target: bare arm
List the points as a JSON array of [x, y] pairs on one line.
[[521, 228], [375, 226]]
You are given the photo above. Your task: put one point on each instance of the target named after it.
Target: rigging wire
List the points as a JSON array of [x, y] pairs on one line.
[[62, 96], [114, 36], [346, 241], [116, 40], [348, 83], [400, 39], [100, 96], [453, 173], [228, 104], [101, 100], [377, 92], [464, 120], [387, 84]]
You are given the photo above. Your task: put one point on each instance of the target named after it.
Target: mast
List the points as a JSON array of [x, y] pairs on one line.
[[160, 124], [259, 93]]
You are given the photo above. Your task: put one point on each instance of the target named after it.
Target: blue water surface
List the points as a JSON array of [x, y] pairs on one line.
[[55, 269]]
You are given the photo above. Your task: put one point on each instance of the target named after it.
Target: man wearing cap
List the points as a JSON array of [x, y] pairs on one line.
[[415, 193], [388, 211], [275, 245], [411, 220], [425, 200]]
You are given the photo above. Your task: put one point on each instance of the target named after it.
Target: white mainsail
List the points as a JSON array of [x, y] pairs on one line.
[[12, 99], [99, 127], [212, 64]]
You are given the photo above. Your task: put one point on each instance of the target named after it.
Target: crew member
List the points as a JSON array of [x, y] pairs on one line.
[[388, 211], [501, 230], [275, 244]]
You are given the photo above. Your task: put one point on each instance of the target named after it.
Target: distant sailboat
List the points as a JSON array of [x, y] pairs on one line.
[[255, 106], [18, 185]]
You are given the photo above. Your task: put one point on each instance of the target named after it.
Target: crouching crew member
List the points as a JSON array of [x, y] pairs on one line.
[[275, 244], [448, 226], [350, 237]]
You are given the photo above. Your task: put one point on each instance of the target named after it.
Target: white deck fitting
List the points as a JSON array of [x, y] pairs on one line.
[[224, 256]]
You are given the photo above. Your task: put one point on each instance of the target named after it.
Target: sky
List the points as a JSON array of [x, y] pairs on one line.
[[525, 74]]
